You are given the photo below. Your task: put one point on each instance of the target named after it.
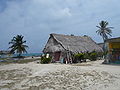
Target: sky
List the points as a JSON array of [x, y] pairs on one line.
[[36, 19]]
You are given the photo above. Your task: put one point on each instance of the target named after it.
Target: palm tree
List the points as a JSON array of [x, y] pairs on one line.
[[18, 45], [103, 30]]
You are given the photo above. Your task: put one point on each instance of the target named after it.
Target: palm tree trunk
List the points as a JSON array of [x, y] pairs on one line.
[[19, 55], [105, 53]]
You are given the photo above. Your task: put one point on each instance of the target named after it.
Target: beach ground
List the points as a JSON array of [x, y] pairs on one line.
[[82, 76]]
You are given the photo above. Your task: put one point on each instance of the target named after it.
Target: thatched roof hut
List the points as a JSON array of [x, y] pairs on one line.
[[74, 44], [61, 47]]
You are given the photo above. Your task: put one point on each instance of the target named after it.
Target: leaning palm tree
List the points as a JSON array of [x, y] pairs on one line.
[[103, 30], [18, 45]]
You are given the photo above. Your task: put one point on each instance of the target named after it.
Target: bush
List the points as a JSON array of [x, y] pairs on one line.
[[45, 60], [86, 55], [93, 56], [81, 57], [78, 57]]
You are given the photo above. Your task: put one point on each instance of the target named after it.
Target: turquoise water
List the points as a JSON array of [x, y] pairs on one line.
[[29, 54], [25, 54]]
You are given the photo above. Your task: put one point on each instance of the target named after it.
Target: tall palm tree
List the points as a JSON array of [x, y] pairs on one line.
[[18, 45], [103, 30]]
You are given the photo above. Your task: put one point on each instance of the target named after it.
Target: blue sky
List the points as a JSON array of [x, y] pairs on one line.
[[36, 19]]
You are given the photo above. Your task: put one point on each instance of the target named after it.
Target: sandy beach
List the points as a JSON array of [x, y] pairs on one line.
[[85, 76]]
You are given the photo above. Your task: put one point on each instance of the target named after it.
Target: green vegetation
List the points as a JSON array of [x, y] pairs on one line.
[[78, 57], [45, 60], [18, 45], [81, 57], [93, 56]]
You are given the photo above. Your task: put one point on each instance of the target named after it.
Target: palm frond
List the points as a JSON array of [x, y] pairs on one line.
[[18, 44], [103, 30]]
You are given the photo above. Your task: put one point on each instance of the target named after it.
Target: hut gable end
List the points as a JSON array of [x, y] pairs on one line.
[[52, 42], [52, 45]]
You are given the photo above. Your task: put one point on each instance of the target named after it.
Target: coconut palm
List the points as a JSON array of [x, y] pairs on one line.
[[18, 45], [103, 30]]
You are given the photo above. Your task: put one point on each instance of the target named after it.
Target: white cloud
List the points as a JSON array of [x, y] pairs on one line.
[[62, 13]]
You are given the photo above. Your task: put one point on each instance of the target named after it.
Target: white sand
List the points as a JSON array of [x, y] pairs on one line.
[[85, 76]]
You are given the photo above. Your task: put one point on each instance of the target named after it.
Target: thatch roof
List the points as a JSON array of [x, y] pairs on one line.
[[101, 45], [75, 44]]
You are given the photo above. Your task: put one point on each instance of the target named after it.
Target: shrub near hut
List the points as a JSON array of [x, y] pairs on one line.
[[78, 57], [45, 60], [93, 56], [81, 57]]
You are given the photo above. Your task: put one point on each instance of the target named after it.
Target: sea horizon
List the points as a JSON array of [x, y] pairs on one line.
[[23, 54]]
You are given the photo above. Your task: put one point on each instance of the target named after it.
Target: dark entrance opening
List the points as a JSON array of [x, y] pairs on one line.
[[57, 56]]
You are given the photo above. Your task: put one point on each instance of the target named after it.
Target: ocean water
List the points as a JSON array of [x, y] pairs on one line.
[[29, 54], [25, 54]]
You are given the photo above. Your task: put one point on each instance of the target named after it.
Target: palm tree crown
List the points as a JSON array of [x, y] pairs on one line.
[[103, 30], [18, 45]]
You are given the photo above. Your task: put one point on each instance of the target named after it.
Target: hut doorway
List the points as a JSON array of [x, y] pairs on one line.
[[57, 56]]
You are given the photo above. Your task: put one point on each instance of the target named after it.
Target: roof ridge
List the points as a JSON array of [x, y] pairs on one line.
[[69, 35]]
